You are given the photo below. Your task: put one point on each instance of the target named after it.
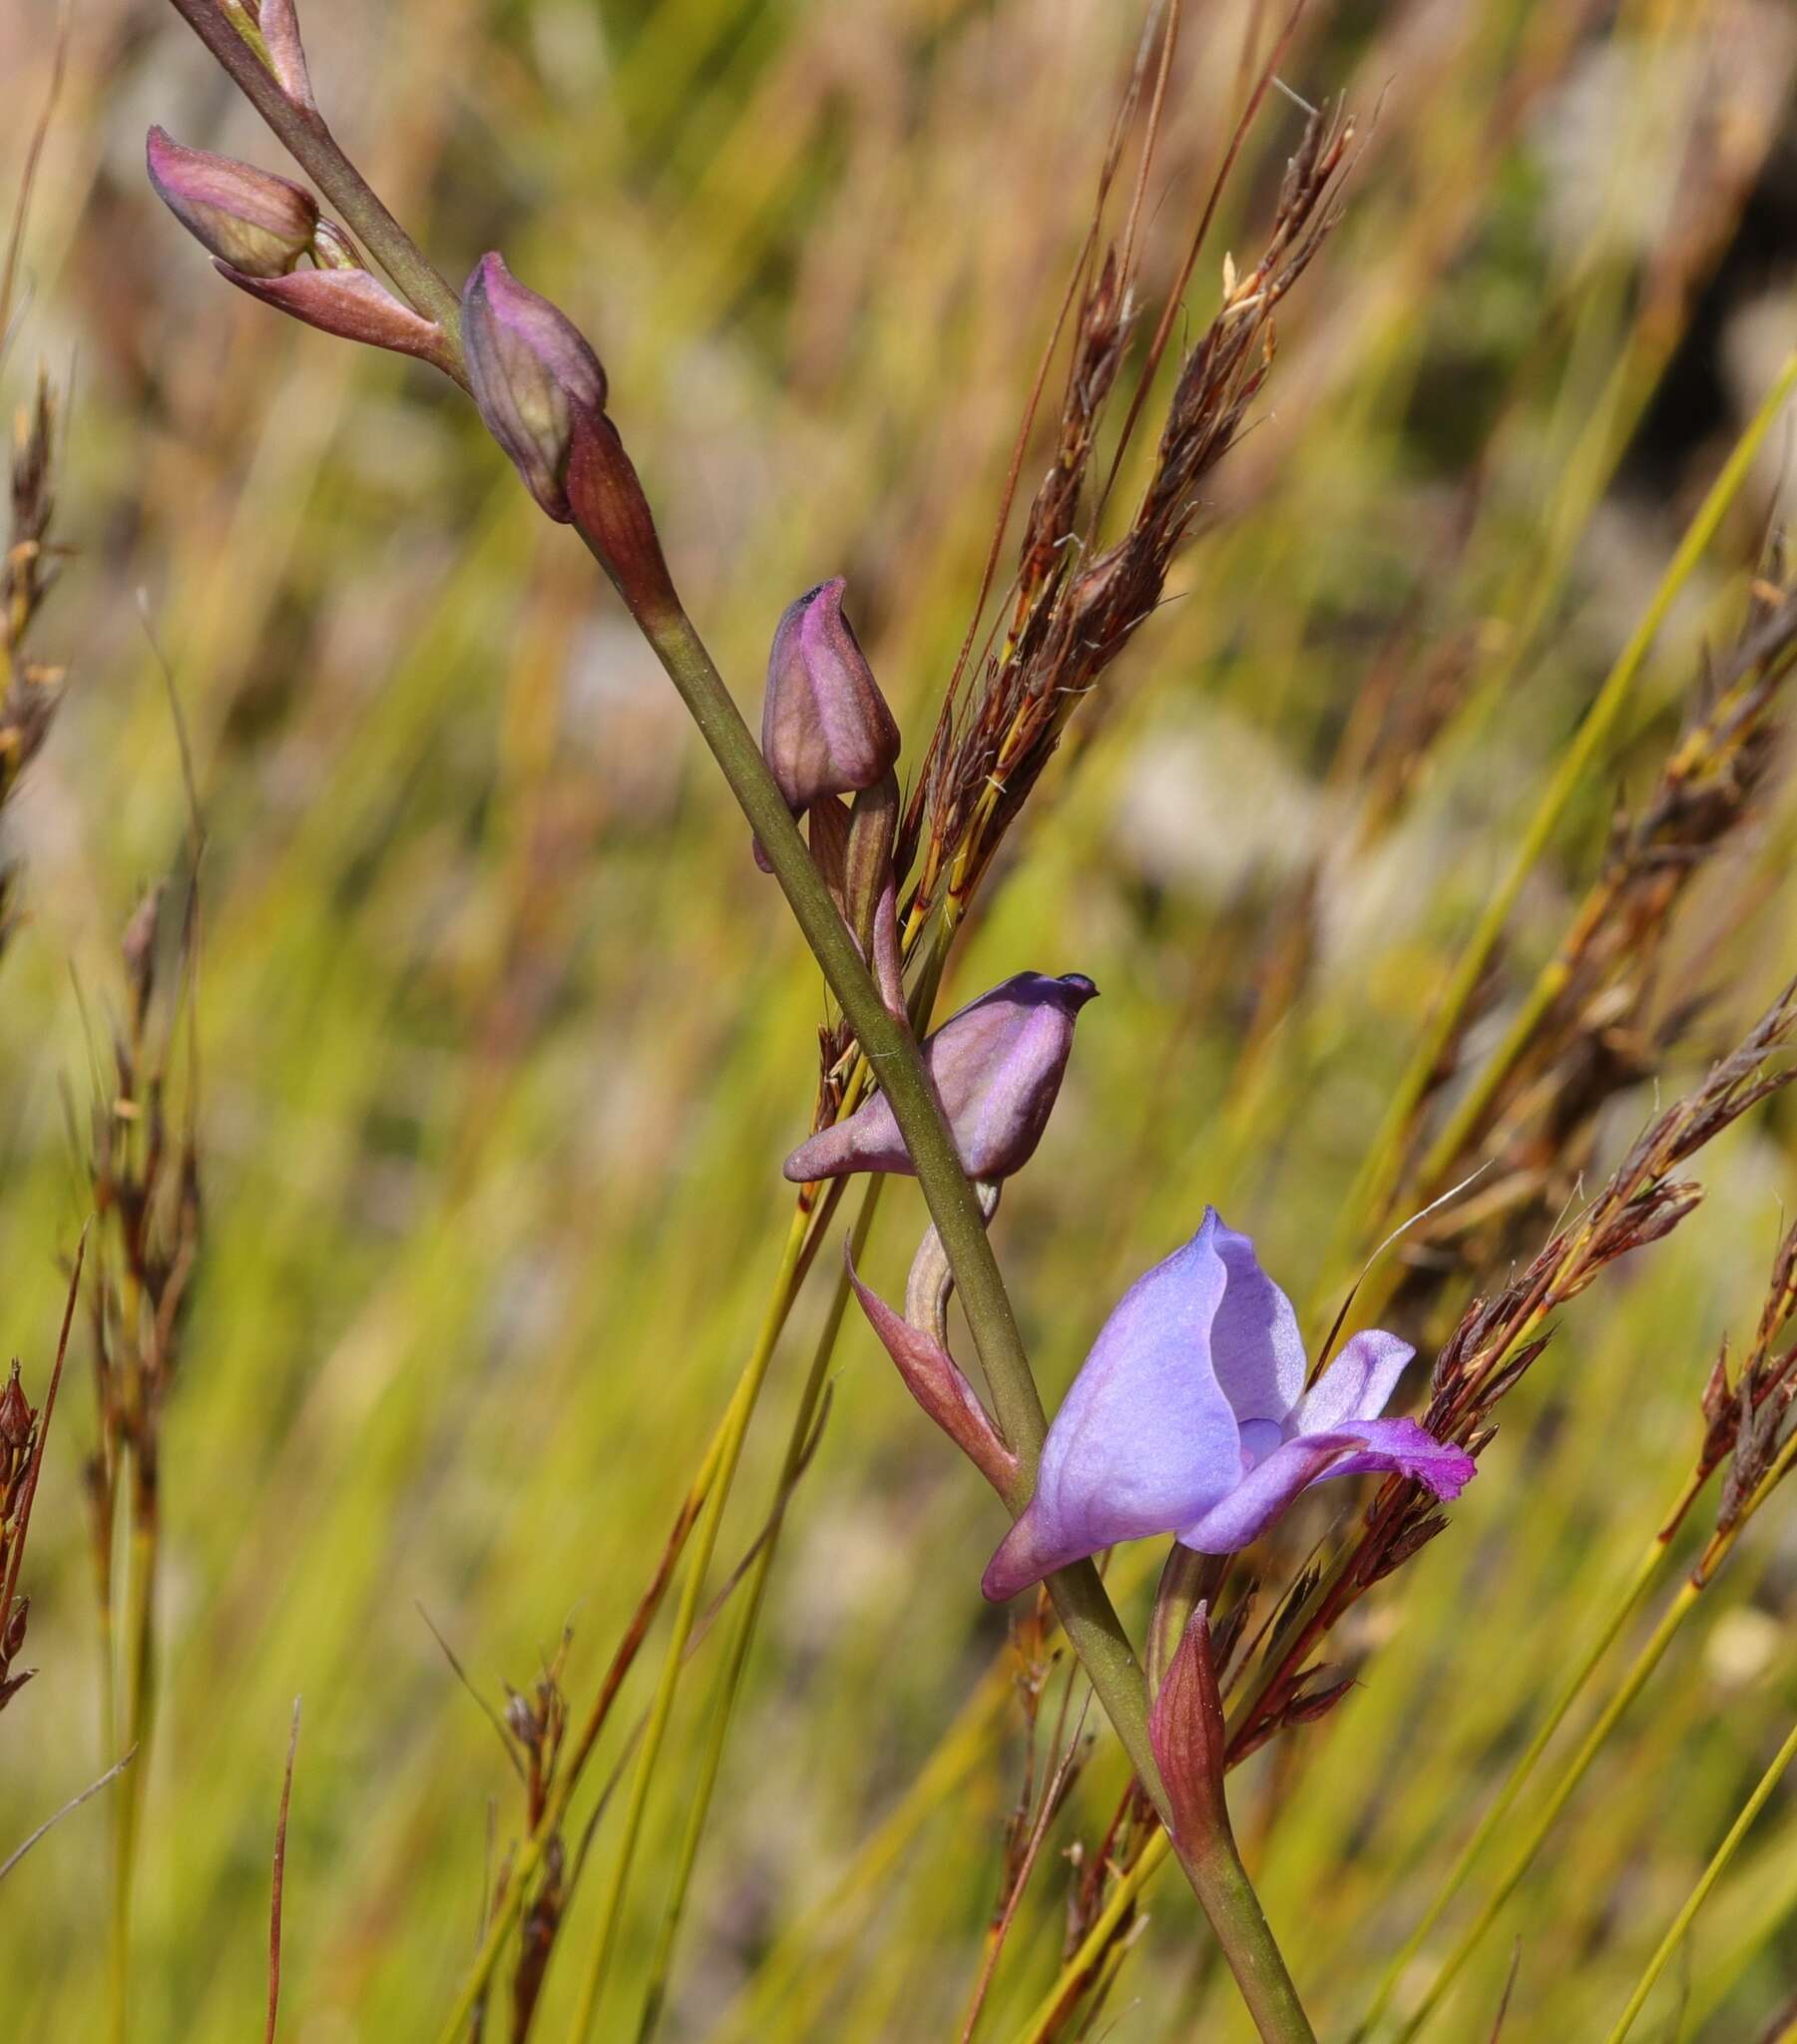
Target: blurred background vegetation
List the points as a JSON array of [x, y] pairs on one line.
[[501, 1035]]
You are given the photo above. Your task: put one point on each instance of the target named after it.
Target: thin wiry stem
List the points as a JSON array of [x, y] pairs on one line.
[[74, 1802], [749, 1612], [1631, 1685], [1711, 1875], [686, 1616], [890, 1046]]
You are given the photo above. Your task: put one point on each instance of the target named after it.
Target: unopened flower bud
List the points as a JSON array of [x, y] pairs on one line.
[[825, 727], [259, 223], [996, 1066], [530, 372]]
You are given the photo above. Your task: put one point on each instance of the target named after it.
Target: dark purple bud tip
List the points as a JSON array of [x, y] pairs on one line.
[[825, 727], [998, 1067], [532, 371], [259, 223]]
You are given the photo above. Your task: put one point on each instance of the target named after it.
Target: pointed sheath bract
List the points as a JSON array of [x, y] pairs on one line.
[[258, 223], [279, 25], [1190, 1418], [825, 727], [996, 1066], [610, 511], [934, 1379], [1190, 1741], [530, 372], [351, 304]]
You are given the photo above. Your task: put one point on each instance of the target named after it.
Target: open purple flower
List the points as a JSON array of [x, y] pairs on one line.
[[1190, 1418]]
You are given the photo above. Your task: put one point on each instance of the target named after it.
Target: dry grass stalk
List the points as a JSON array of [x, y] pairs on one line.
[[29, 688], [144, 1180], [1586, 1029], [1493, 1348], [24, 1434], [1074, 604]]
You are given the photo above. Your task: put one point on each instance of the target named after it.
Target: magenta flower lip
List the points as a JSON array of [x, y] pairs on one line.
[[997, 1065], [1190, 1418]]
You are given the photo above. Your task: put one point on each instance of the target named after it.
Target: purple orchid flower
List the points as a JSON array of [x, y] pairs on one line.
[[1190, 1418]]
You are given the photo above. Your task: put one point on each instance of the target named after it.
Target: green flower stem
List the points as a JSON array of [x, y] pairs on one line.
[[1090, 1623], [304, 134], [1228, 1897]]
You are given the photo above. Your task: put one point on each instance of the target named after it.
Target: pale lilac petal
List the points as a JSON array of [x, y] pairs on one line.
[[1241, 1518], [1144, 1440], [1400, 1447], [1033, 1548], [1357, 1385], [1254, 1341]]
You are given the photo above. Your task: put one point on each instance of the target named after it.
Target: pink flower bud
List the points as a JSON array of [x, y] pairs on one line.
[[530, 372], [825, 727], [256, 223]]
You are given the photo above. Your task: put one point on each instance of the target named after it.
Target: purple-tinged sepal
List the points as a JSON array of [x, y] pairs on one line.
[[825, 727], [532, 371], [353, 304], [256, 223], [1190, 1418], [1190, 1741], [996, 1066]]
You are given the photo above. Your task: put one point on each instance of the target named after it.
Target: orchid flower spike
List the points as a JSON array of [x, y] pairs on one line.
[[997, 1066], [1190, 1418], [825, 727]]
